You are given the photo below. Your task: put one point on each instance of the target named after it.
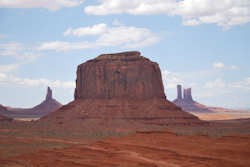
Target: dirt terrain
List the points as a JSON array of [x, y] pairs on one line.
[[143, 149], [222, 114], [121, 118], [219, 143]]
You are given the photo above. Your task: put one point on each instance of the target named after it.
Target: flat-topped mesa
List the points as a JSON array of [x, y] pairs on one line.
[[123, 56], [126, 75]]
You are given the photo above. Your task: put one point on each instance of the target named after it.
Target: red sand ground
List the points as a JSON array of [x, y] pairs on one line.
[[151, 149]]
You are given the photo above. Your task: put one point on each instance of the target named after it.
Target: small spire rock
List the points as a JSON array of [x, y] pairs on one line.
[[49, 94]]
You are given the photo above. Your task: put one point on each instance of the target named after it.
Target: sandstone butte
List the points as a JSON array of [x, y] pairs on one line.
[[187, 103], [122, 91], [119, 76], [45, 107]]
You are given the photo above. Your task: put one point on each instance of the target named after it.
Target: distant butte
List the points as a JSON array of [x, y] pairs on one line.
[[47, 106], [187, 103], [2, 116], [119, 91]]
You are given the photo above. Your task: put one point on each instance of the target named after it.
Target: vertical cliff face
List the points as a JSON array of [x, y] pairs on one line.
[[187, 103], [179, 92], [49, 94], [188, 95], [126, 75], [121, 91]]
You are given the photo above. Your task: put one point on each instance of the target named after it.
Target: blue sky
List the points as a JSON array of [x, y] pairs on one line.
[[201, 44]]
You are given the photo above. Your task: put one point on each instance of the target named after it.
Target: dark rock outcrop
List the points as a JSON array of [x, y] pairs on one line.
[[125, 75]]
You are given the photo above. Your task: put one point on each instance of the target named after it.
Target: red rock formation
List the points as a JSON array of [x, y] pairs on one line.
[[179, 98], [117, 91], [3, 110], [47, 106], [123, 75], [188, 95], [49, 94], [187, 103], [179, 92]]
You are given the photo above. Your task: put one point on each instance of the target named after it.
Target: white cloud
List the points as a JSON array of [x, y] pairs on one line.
[[170, 80], [117, 23], [129, 37], [9, 79], [225, 13], [119, 36], [209, 88], [18, 51], [10, 49], [234, 67], [191, 22], [218, 83], [23, 56], [243, 84], [48, 4], [84, 31], [248, 80], [134, 7], [64, 46], [2, 76], [2, 36], [8, 68], [218, 65]]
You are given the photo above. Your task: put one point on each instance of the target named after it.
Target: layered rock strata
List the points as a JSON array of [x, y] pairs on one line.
[[119, 91], [125, 75]]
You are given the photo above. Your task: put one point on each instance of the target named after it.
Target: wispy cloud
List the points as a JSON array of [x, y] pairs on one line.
[[218, 83], [220, 87], [221, 65], [218, 65], [48, 4], [22, 56], [116, 36], [170, 80], [17, 50], [10, 79], [208, 85], [84, 31], [224, 13], [8, 68], [233, 67]]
